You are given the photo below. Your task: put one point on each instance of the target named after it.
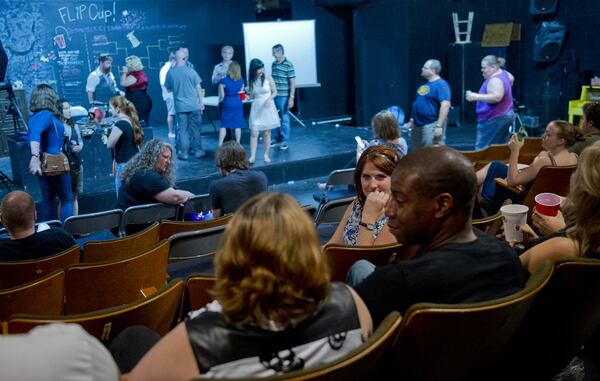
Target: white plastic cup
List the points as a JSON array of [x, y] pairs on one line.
[[513, 217]]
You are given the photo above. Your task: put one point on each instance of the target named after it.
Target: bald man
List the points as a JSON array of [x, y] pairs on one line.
[[433, 193], [17, 214]]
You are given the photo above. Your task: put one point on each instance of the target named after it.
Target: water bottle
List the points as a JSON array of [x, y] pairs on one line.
[[522, 133]]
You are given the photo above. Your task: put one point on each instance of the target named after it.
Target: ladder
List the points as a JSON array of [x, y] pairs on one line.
[[458, 34]]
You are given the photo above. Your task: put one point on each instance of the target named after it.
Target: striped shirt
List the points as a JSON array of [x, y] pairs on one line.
[[281, 73]]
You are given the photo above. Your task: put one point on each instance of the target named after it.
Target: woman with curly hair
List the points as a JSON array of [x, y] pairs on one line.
[[46, 135], [135, 82], [582, 239], [275, 309], [126, 135]]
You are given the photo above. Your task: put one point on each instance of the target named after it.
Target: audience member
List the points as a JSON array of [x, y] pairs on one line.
[[72, 147], [185, 84], [364, 223], [126, 135], [166, 95], [238, 183], [46, 136], [135, 81], [433, 193], [284, 77], [232, 110], [590, 123], [386, 132], [582, 239], [221, 69], [430, 108], [18, 215], [263, 113], [101, 84], [149, 177], [56, 352], [494, 103], [275, 310], [559, 136]]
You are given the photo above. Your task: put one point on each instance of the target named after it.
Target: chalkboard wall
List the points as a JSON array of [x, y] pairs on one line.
[[58, 42]]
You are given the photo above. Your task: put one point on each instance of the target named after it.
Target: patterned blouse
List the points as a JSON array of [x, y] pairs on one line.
[[352, 227]]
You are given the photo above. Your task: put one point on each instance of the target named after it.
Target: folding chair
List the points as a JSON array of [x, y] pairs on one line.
[[147, 214]]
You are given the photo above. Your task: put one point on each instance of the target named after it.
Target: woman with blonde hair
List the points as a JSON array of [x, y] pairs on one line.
[[494, 103], [582, 239], [126, 135], [232, 112], [559, 136], [275, 309], [46, 135], [135, 81]]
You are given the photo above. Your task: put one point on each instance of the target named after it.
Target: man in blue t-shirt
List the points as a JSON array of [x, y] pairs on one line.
[[430, 108]]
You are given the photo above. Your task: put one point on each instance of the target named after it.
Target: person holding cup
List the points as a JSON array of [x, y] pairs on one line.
[[559, 136], [231, 92], [582, 239]]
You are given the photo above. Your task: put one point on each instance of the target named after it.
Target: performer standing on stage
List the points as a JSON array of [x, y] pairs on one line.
[[220, 70], [101, 84], [430, 108], [126, 135], [494, 103], [185, 84], [166, 95], [135, 81], [263, 113], [284, 76], [232, 112], [72, 148], [46, 135]]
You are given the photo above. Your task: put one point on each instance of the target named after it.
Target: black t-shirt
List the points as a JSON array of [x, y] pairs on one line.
[[141, 189], [484, 269], [125, 148], [38, 245], [230, 192]]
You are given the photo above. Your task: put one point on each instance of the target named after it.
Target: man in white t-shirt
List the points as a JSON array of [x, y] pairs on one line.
[[167, 96]]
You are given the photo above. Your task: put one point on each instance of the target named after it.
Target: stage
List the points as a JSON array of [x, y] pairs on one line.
[[314, 151]]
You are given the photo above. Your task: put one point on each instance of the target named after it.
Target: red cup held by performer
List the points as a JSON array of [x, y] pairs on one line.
[[242, 95]]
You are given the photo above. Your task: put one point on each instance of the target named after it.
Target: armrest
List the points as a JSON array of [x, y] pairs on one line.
[[517, 189]]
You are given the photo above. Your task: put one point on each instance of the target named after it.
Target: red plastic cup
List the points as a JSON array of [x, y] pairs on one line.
[[547, 203], [242, 95]]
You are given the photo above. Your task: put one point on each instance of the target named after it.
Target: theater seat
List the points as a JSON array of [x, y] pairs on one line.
[[42, 296]]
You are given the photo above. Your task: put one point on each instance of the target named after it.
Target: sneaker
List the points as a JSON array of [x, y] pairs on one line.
[[181, 157], [283, 146], [200, 154], [171, 135], [273, 144]]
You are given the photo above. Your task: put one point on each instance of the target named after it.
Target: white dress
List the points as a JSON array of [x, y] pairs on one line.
[[263, 113]]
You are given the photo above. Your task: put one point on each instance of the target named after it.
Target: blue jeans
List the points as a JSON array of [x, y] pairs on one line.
[[496, 169], [358, 272], [189, 130], [494, 131], [282, 134], [423, 136], [52, 186], [120, 167]]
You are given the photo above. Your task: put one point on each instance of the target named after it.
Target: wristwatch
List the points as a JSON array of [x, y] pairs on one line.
[[368, 226]]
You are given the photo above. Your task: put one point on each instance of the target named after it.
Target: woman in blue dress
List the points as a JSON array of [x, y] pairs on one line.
[[46, 135], [232, 113]]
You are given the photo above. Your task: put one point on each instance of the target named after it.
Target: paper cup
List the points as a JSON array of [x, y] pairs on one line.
[[547, 203], [513, 217], [242, 95]]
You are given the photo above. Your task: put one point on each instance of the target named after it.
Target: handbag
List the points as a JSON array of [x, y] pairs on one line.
[[54, 164]]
